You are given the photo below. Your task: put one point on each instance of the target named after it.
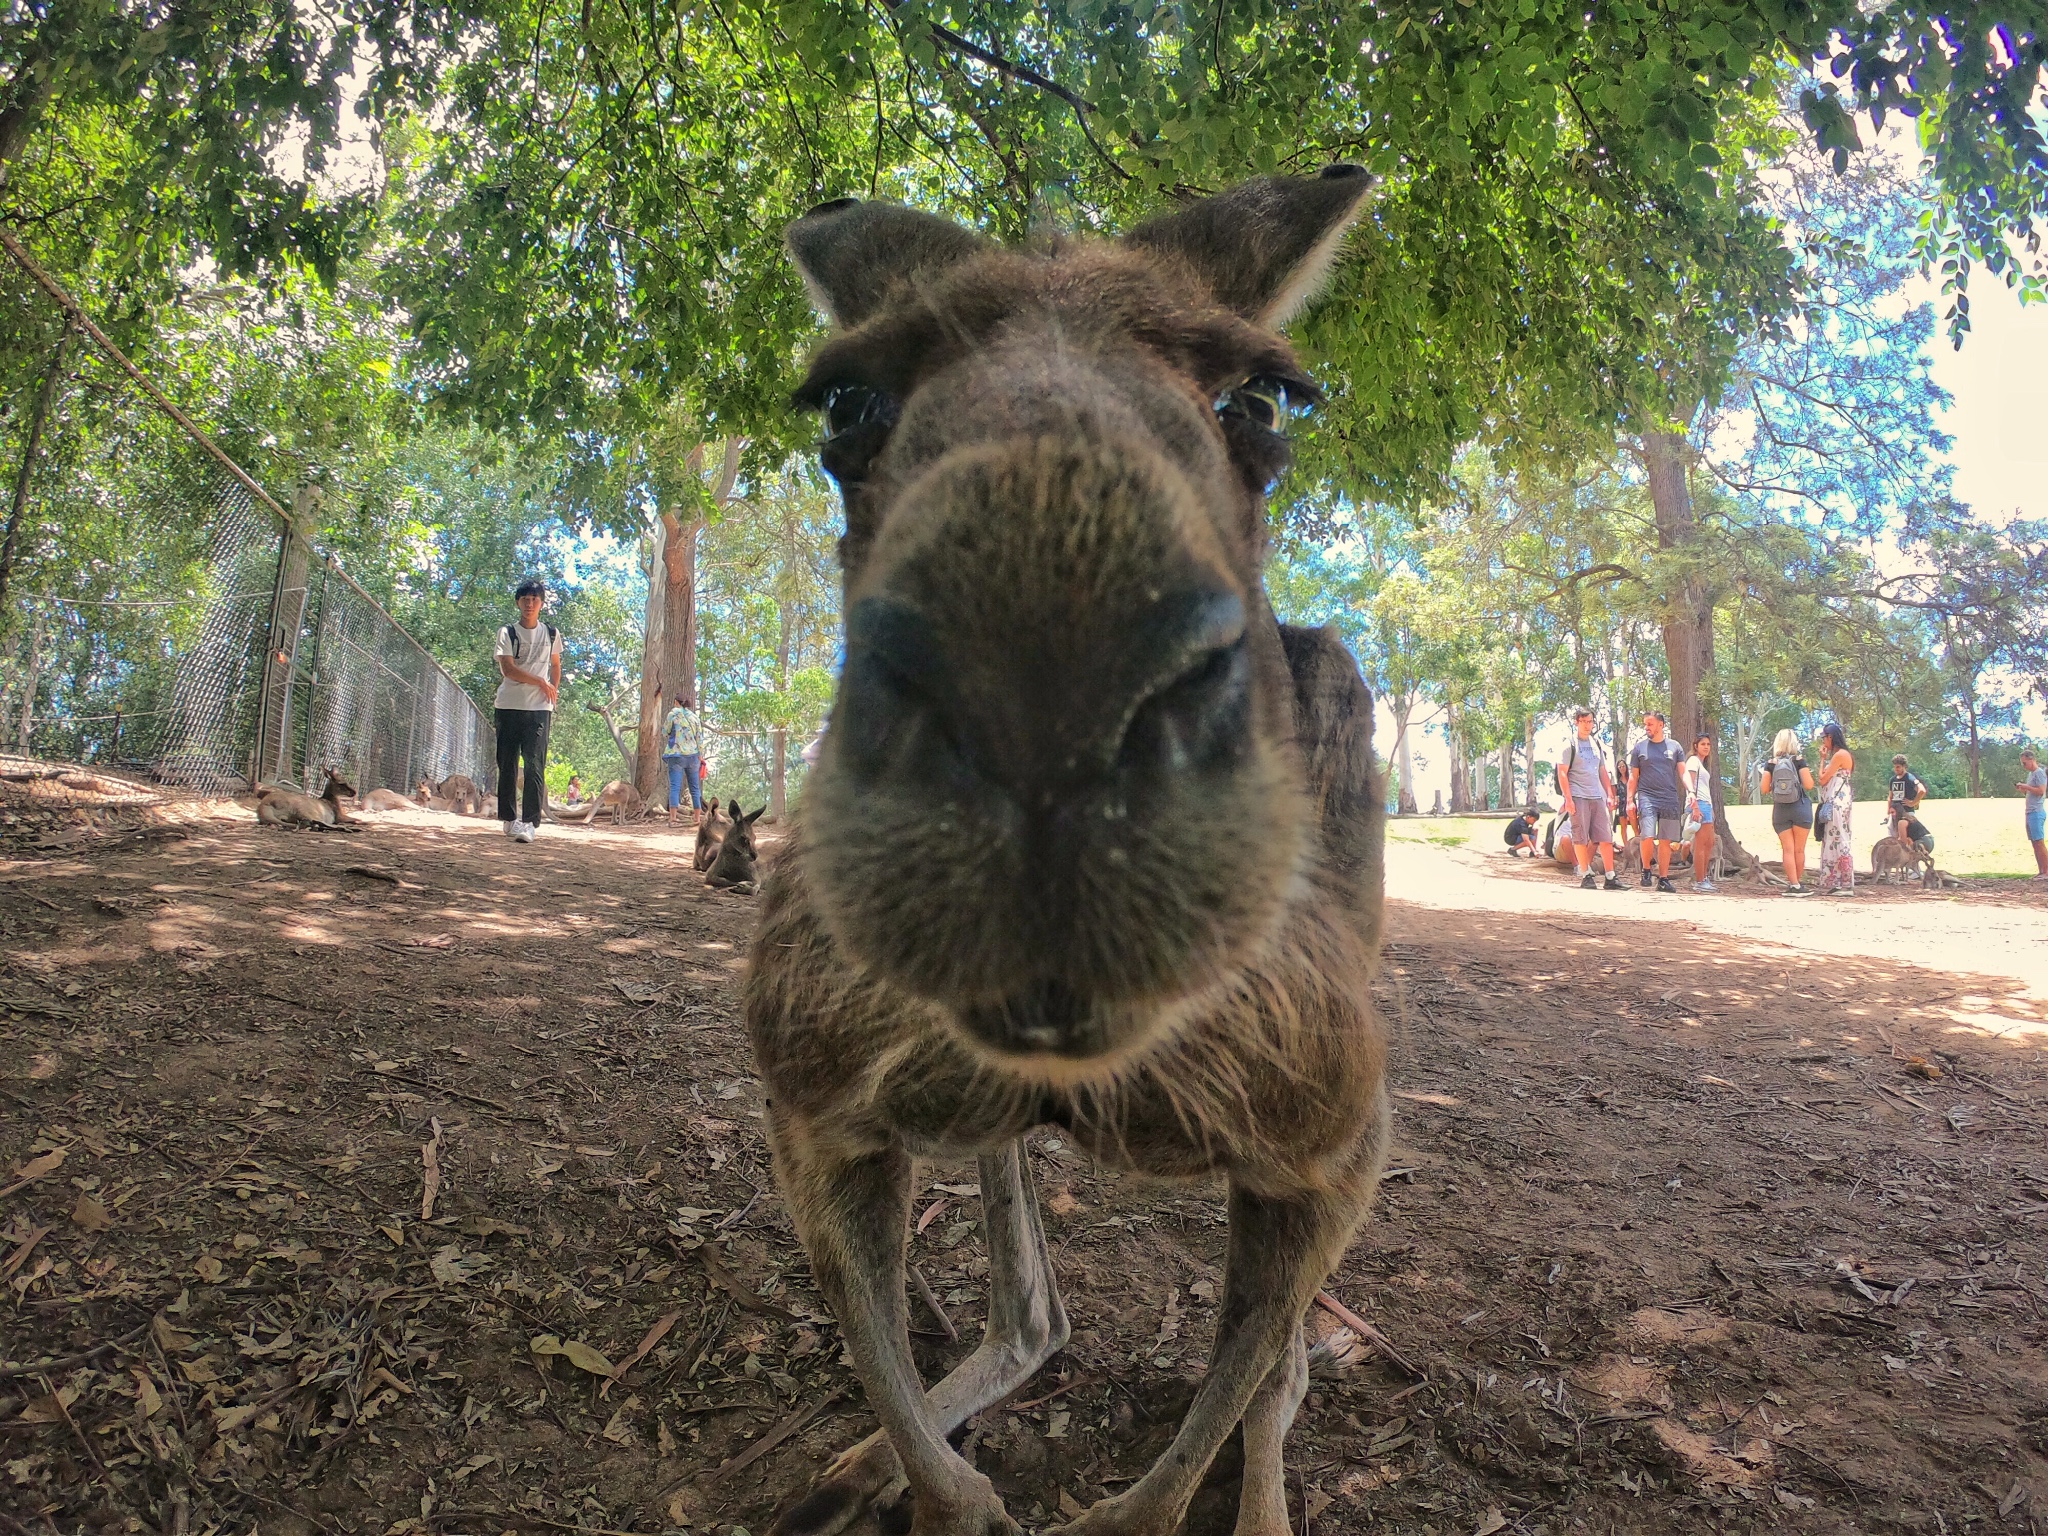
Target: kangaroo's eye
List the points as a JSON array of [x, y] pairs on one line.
[[849, 407], [1265, 400]]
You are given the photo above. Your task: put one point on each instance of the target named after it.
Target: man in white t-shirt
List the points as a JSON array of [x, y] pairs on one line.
[[530, 676]]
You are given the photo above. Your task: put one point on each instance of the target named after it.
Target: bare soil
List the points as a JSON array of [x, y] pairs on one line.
[[379, 1152]]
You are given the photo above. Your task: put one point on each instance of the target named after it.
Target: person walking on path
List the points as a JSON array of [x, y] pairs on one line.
[[1699, 789], [1838, 801], [682, 750], [2034, 785], [1655, 768], [1789, 784], [1588, 790], [530, 676]]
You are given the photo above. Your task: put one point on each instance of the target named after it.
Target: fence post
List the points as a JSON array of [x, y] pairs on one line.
[[313, 681]]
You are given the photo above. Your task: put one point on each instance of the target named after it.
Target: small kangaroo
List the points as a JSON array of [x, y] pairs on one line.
[[733, 869], [277, 806], [710, 832], [462, 795], [386, 800], [1014, 893]]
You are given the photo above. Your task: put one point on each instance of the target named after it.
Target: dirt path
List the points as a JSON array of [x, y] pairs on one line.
[[1634, 1156]]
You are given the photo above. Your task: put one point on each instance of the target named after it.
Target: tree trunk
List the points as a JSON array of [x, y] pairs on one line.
[[1404, 757], [1507, 774], [1529, 752], [1976, 746], [32, 675], [1688, 635], [778, 741], [28, 459], [1454, 743], [669, 656], [646, 757]]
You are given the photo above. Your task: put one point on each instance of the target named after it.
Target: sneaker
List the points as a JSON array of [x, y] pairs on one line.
[[1797, 890], [1706, 886], [1612, 884], [1646, 880], [1666, 886], [1586, 881], [511, 829], [522, 833]]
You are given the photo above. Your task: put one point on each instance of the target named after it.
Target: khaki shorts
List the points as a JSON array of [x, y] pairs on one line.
[[1591, 824]]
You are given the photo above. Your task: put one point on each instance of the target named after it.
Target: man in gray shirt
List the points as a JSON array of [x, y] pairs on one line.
[[2034, 785], [1588, 791]]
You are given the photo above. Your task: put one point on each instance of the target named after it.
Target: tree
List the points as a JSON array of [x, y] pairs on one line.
[[206, 95], [771, 620]]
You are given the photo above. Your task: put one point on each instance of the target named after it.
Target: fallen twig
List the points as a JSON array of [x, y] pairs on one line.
[[453, 1093], [769, 1441], [924, 1291], [83, 1357], [1366, 1331]]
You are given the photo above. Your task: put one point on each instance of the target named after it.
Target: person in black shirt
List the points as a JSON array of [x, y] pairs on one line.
[[1520, 835], [1905, 792], [1913, 832]]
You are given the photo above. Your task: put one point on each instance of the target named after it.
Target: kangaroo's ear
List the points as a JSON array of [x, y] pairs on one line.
[[852, 253], [756, 816], [1265, 246]]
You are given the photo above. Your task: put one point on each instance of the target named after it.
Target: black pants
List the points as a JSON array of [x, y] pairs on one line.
[[523, 733]]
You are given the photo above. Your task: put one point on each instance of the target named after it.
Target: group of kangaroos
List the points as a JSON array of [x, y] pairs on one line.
[[726, 853], [1017, 893]]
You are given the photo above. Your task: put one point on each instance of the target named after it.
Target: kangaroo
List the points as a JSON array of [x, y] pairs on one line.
[[1892, 861], [733, 868], [277, 806], [710, 831], [462, 795], [1012, 894], [386, 800]]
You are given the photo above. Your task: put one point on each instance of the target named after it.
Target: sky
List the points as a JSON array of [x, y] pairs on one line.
[[2000, 416]]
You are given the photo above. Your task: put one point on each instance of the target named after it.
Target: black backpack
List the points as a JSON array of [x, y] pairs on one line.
[[512, 639]]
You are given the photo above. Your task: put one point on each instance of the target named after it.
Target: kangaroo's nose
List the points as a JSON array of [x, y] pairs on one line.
[[1163, 688]]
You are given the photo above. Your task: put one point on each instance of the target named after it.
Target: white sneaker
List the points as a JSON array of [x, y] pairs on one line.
[[511, 829], [523, 834]]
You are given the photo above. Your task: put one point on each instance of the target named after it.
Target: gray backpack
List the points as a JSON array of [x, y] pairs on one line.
[[1785, 788]]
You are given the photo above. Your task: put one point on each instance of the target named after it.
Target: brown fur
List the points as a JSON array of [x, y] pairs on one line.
[[461, 794], [736, 859], [1017, 892], [1892, 861], [277, 806], [386, 800], [710, 832]]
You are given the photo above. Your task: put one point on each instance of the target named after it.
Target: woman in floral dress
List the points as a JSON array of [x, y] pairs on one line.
[[1838, 847]]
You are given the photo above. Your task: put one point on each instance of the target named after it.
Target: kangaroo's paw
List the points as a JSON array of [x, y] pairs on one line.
[[858, 1479]]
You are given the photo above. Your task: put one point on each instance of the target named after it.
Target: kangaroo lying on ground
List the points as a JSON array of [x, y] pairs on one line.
[[277, 806], [733, 867], [386, 800], [1016, 894], [710, 831]]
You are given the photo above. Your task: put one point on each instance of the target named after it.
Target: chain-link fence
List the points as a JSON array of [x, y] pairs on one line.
[[160, 615]]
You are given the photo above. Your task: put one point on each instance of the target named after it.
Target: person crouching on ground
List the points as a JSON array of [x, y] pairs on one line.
[[682, 750], [1588, 790], [1520, 835], [2034, 785], [530, 677], [1654, 766], [1699, 788]]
